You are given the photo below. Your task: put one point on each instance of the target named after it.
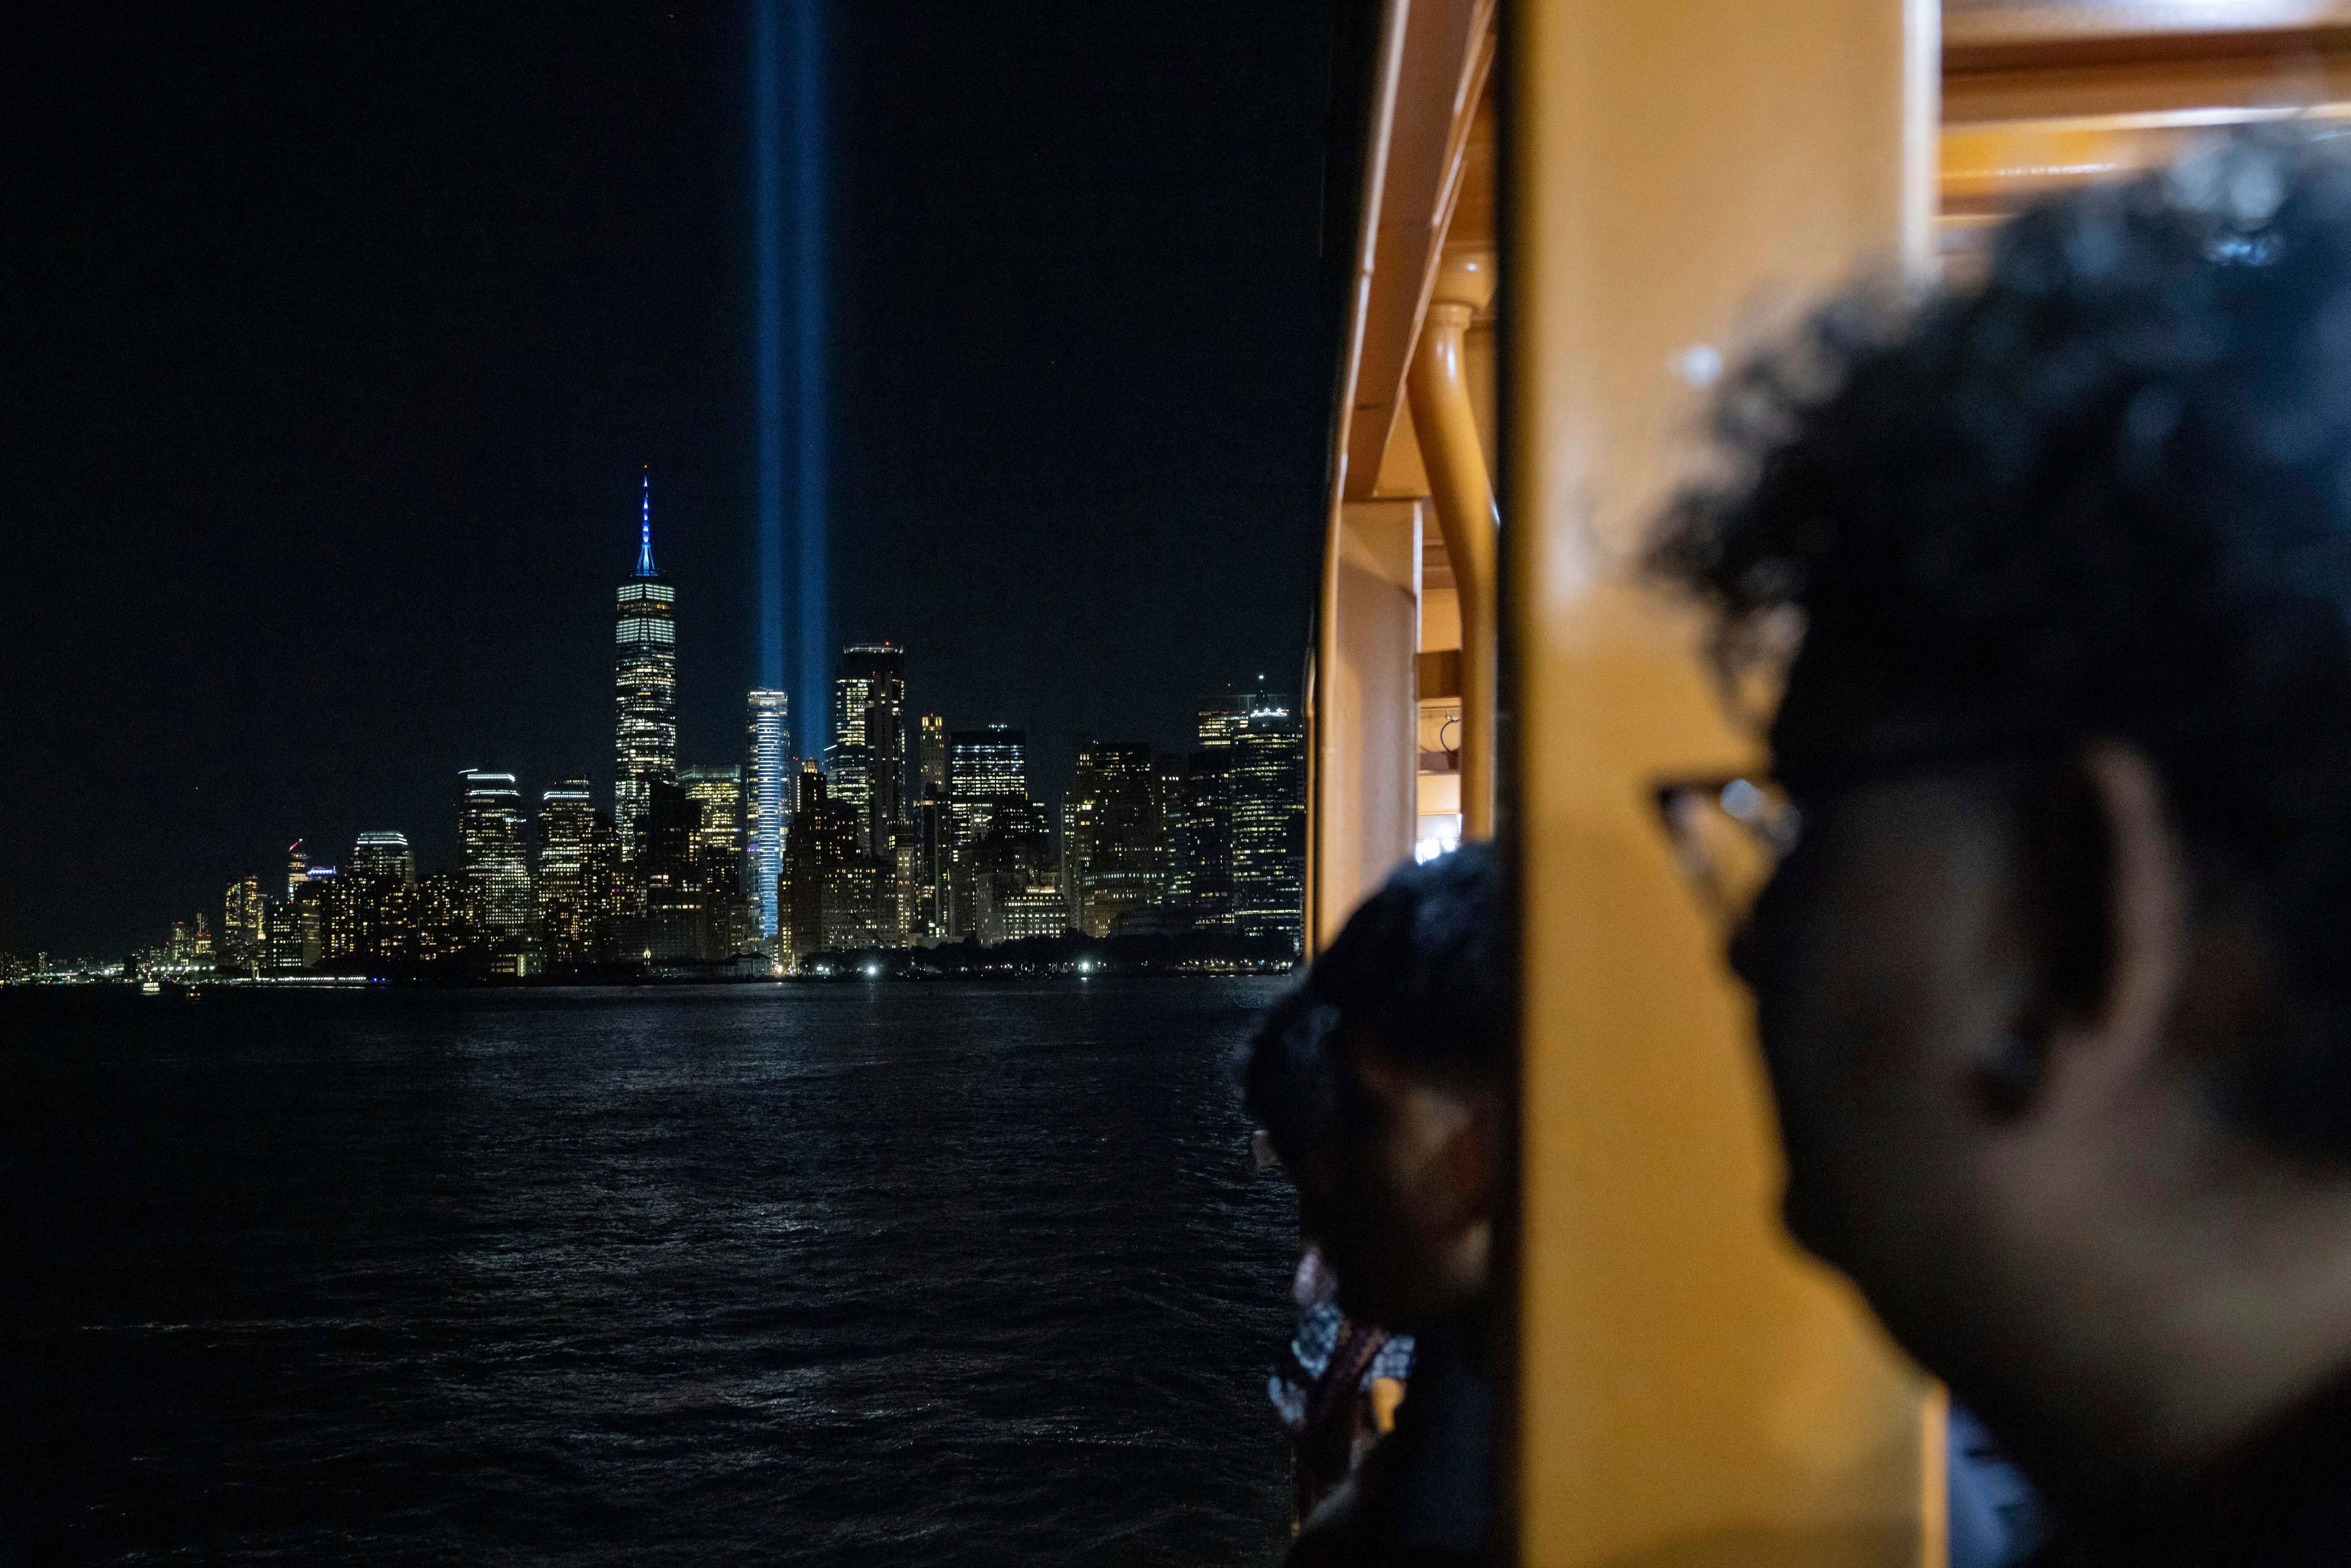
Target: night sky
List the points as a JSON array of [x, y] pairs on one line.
[[336, 339]]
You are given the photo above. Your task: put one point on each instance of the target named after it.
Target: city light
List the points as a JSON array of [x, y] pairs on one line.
[[898, 837]]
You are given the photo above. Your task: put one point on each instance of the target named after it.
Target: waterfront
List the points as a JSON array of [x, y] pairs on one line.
[[836, 1274]]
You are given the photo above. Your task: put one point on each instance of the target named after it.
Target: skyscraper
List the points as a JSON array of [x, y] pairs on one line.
[[1015, 876], [242, 925], [570, 911], [767, 797], [1110, 835], [1207, 890], [984, 766], [383, 857], [1224, 717], [868, 750], [377, 915], [645, 682], [833, 894], [681, 917], [933, 751], [718, 789], [490, 851], [1174, 841], [1269, 814], [718, 851]]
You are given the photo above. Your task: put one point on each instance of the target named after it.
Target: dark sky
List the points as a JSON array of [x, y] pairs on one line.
[[335, 339]]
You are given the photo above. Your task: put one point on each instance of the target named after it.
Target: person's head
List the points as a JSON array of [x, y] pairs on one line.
[[1376, 1078], [2052, 983]]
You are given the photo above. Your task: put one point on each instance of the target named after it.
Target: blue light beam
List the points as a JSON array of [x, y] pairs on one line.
[[767, 329], [792, 172]]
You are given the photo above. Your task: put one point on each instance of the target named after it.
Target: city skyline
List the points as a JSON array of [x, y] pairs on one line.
[[331, 501], [644, 742], [907, 833]]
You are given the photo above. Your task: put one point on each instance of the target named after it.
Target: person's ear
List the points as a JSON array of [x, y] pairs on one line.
[[2116, 962]]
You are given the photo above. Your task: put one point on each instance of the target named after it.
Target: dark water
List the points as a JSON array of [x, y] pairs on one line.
[[851, 1274]]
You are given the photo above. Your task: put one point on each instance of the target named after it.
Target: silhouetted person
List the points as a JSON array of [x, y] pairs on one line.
[[2052, 978], [1378, 1080], [1337, 1389]]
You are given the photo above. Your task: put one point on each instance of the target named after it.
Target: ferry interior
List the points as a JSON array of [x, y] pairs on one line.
[[1551, 224]]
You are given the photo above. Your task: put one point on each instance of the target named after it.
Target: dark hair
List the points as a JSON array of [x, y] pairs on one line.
[[1419, 967], [2106, 491]]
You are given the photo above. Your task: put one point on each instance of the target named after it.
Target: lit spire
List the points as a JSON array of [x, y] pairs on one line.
[[646, 534]]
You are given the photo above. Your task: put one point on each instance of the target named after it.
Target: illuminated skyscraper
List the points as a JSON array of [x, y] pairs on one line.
[[1110, 835], [867, 755], [1207, 890], [1222, 718], [376, 914], [1268, 815], [718, 851], [242, 925], [644, 684], [934, 753], [383, 857], [571, 903], [984, 766], [718, 791], [833, 894], [1174, 841], [767, 799], [490, 851]]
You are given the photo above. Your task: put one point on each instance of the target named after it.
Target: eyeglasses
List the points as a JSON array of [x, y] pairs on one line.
[[1729, 834]]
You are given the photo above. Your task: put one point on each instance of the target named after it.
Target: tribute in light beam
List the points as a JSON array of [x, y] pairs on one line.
[[803, 162]]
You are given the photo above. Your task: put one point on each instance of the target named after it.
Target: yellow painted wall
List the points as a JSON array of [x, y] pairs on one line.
[[1693, 1392]]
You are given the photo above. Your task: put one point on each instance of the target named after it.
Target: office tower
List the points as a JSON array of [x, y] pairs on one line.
[[1209, 839], [867, 755], [449, 922], [204, 953], [718, 789], [242, 925], [1175, 841], [1110, 835], [1268, 817], [611, 891], [569, 902], [680, 918], [1016, 888], [984, 766], [934, 868], [375, 913], [298, 865], [768, 797], [934, 753], [644, 684], [718, 863], [831, 895], [490, 851], [383, 857], [800, 890], [316, 911], [1222, 718], [281, 945]]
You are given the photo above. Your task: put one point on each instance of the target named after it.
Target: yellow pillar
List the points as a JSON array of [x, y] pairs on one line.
[[1692, 1392], [1366, 718], [1463, 491]]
